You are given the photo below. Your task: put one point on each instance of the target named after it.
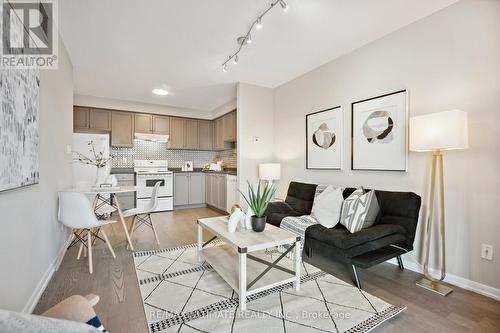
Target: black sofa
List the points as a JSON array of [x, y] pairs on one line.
[[391, 236]]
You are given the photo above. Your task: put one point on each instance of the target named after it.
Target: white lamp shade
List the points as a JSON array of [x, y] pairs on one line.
[[269, 171], [439, 131]]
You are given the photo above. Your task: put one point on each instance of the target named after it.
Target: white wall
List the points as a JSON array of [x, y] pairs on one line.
[[449, 60], [31, 237], [255, 120], [109, 103]]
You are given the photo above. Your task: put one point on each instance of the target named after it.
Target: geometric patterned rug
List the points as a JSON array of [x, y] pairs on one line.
[[181, 294]]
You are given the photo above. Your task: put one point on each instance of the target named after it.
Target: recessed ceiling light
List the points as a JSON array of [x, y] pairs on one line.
[[161, 92]]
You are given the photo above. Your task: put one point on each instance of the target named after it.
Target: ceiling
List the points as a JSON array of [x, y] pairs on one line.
[[122, 49]]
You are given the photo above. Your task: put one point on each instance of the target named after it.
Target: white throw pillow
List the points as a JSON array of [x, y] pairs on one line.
[[327, 207], [359, 210]]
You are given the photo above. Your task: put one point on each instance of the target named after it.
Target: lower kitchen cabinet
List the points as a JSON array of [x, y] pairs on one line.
[[216, 191], [189, 189]]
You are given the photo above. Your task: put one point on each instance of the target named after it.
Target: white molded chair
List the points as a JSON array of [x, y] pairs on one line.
[[76, 212], [143, 215]]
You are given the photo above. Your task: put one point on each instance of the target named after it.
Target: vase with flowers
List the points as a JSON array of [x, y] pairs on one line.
[[97, 159]]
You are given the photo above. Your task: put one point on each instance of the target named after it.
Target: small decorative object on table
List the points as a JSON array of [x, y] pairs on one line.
[[234, 219], [98, 160], [258, 201]]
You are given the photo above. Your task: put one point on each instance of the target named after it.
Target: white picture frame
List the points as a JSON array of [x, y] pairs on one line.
[[379, 133], [325, 139]]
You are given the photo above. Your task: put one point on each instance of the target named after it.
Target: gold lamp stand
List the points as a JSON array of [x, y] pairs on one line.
[[429, 282]]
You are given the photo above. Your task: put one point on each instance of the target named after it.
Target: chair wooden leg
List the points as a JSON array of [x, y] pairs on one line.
[[154, 230], [89, 240], [108, 243], [79, 251], [132, 227]]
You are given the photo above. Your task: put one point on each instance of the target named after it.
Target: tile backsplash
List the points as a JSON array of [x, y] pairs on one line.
[[149, 150]]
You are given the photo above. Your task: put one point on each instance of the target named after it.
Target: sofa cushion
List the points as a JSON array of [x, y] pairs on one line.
[[300, 197], [276, 218], [359, 210], [327, 206], [341, 237]]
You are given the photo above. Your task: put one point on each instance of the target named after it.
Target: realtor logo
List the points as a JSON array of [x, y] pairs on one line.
[[29, 34]]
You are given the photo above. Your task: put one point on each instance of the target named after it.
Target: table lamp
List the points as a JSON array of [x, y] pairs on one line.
[[269, 172], [435, 133]]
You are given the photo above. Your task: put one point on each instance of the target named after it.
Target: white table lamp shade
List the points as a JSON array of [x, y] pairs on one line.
[[439, 131], [269, 171]]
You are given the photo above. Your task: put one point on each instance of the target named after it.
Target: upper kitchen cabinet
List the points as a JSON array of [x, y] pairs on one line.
[[161, 125], [218, 134], [91, 120], [143, 123], [122, 129], [80, 118], [100, 120], [205, 134], [191, 134], [229, 127], [177, 133]]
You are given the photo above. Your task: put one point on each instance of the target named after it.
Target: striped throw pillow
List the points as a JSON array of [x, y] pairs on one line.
[[359, 210]]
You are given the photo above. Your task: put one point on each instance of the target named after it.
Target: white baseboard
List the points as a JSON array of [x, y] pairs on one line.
[[39, 289], [455, 280]]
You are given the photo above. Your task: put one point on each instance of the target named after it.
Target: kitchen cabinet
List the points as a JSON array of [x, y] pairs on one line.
[[218, 134], [100, 120], [161, 125], [216, 190], [231, 192], [191, 134], [205, 134], [80, 118], [189, 189], [181, 189], [122, 129], [177, 133], [229, 127], [143, 123]]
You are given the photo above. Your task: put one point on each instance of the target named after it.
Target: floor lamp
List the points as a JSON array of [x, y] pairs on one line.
[[435, 133]]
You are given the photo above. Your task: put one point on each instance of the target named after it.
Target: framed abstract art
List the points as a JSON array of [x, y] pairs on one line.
[[325, 138], [380, 133]]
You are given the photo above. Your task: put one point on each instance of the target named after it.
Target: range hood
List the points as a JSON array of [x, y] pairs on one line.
[[151, 137]]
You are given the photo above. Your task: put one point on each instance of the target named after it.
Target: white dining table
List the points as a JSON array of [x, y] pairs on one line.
[[102, 200]]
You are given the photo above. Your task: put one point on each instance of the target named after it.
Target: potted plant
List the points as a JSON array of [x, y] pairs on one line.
[[258, 200]]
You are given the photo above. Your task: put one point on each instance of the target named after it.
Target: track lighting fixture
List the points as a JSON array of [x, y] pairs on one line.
[[283, 5], [258, 25], [247, 38]]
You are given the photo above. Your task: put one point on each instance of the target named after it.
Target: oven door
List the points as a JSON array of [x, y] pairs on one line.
[[145, 184]]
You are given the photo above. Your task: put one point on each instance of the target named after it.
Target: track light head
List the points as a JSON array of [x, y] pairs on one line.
[[258, 25], [249, 39], [224, 68], [236, 59], [284, 5]]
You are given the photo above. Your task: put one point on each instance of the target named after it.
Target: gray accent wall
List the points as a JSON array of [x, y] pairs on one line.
[[448, 60], [31, 238]]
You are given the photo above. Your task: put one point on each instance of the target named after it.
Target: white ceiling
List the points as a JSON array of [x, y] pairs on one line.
[[123, 49]]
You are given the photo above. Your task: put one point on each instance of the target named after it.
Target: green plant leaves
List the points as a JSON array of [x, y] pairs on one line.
[[258, 200]]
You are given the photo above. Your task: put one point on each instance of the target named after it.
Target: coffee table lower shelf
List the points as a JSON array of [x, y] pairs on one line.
[[229, 264]]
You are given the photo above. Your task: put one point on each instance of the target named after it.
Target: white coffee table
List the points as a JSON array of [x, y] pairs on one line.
[[229, 259]]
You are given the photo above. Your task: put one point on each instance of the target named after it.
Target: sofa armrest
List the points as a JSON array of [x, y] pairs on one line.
[[280, 207]]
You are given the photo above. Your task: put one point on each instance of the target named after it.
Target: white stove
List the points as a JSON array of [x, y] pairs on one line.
[[148, 173]]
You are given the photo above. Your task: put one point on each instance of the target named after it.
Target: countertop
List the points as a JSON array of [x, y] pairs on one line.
[[225, 172], [175, 170]]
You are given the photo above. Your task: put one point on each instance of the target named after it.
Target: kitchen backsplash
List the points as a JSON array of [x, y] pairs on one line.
[[149, 150]]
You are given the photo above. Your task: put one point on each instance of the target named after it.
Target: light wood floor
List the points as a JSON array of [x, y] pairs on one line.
[[120, 308]]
